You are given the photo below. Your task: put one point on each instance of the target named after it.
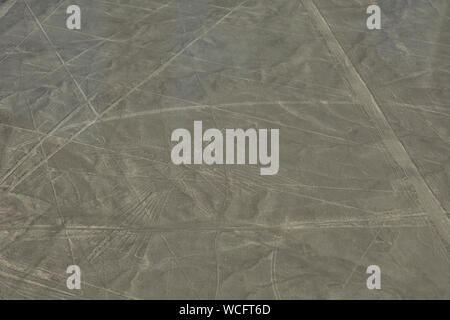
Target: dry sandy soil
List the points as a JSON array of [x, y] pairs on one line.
[[86, 176]]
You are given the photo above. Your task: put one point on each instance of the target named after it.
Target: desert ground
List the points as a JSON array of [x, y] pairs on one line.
[[86, 176]]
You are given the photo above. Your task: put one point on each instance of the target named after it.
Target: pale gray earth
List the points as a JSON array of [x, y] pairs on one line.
[[86, 176]]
